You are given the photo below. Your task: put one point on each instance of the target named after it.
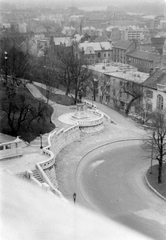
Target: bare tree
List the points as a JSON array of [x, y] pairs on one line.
[[155, 142], [49, 79], [145, 110], [20, 111], [135, 91], [72, 70], [17, 65]]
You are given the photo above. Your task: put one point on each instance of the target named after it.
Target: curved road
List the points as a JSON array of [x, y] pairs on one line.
[[111, 180]]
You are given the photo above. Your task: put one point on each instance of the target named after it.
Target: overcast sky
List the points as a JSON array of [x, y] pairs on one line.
[[83, 3]]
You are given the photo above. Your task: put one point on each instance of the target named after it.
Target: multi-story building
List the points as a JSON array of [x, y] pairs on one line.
[[96, 52], [132, 32], [155, 91], [121, 49], [145, 61], [113, 79], [114, 32], [158, 42]]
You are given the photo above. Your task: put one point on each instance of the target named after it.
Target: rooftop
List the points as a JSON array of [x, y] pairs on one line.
[[97, 46], [122, 44], [144, 55], [158, 77], [120, 70], [62, 40]]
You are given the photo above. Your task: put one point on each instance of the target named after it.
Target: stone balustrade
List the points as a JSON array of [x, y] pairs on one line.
[[93, 106], [56, 142], [92, 125]]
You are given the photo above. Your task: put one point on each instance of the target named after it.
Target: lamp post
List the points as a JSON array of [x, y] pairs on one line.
[[74, 197], [6, 58], [41, 141], [92, 100], [151, 161], [94, 88]]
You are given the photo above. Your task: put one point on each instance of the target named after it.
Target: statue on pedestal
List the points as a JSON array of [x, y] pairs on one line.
[[80, 93]]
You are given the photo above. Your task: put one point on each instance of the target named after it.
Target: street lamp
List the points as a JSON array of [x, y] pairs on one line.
[[151, 162], [41, 141], [74, 197], [94, 88], [92, 100], [6, 58]]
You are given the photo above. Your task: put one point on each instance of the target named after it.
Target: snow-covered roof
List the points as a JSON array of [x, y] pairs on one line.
[[121, 71], [89, 50], [106, 45], [88, 28], [95, 45], [78, 37], [63, 40]]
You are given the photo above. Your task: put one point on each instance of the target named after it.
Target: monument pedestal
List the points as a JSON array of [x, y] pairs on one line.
[[80, 112]]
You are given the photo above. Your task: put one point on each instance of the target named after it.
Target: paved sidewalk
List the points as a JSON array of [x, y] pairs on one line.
[[125, 128], [31, 153], [68, 160]]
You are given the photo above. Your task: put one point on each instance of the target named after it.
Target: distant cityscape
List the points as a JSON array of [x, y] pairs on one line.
[[107, 37]]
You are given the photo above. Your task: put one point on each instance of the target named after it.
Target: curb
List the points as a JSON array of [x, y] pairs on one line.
[[100, 146], [152, 189]]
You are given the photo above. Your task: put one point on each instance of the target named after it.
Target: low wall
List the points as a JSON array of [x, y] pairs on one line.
[[92, 125], [57, 141], [93, 106]]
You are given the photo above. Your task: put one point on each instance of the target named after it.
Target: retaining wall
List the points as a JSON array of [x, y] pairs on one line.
[[57, 141]]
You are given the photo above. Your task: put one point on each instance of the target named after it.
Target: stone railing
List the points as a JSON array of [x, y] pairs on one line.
[[29, 175], [63, 138], [92, 122], [11, 149], [89, 104], [57, 141], [93, 106]]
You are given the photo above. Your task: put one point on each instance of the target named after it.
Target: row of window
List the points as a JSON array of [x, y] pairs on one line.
[[160, 99], [140, 62], [149, 94]]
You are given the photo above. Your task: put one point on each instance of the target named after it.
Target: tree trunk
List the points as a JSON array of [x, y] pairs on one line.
[[75, 98], [160, 171], [67, 90], [129, 106]]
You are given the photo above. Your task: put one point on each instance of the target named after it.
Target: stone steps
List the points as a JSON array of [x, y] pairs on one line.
[[37, 176]]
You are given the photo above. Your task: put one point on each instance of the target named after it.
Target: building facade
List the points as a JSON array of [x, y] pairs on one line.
[[114, 81], [121, 49], [155, 91], [145, 61]]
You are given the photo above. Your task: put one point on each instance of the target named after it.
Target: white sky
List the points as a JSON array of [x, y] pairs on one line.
[[85, 3]]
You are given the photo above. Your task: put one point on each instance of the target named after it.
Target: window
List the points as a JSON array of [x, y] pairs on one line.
[[149, 107], [122, 105], [8, 146], [104, 54], [108, 88], [114, 92], [149, 94], [107, 99], [159, 102], [108, 54], [1, 147], [120, 93], [98, 54]]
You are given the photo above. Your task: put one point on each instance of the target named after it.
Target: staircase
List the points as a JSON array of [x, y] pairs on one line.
[[37, 176]]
